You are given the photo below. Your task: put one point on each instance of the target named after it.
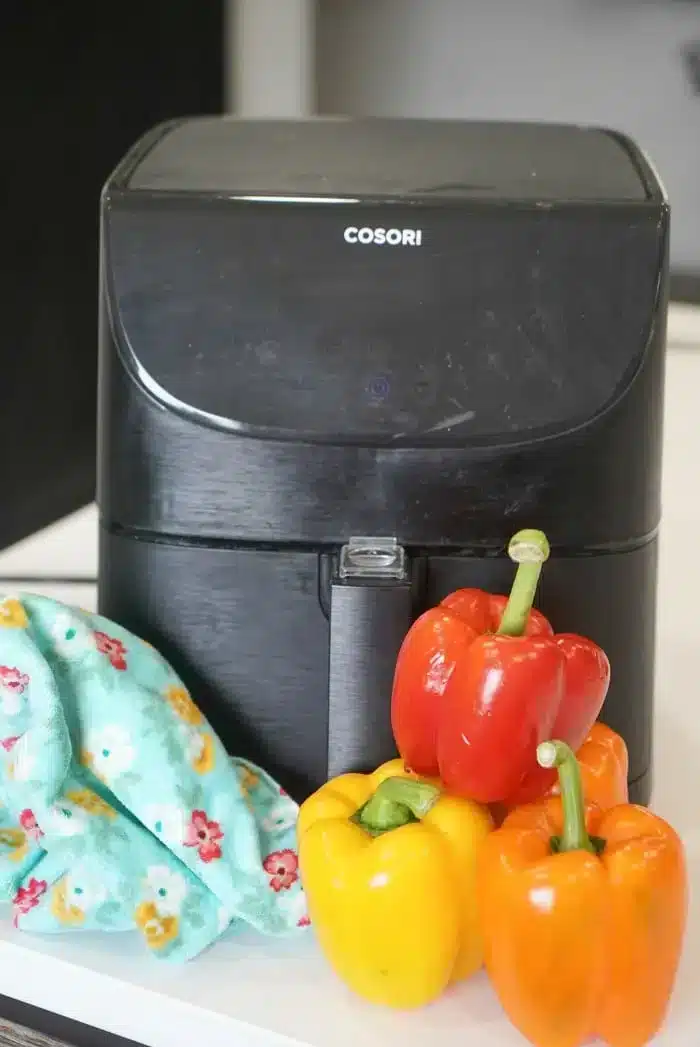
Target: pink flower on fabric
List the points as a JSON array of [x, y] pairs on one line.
[[303, 921], [13, 679], [10, 743], [27, 820], [281, 867], [113, 648], [204, 835], [27, 897]]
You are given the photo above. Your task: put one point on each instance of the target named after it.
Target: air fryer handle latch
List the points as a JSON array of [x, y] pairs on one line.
[[371, 610]]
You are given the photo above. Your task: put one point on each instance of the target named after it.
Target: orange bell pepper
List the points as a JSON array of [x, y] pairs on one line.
[[583, 915], [604, 763]]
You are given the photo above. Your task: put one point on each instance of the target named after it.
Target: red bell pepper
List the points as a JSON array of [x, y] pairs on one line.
[[482, 679]]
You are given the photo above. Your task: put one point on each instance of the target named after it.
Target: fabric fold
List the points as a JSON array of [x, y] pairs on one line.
[[121, 809]]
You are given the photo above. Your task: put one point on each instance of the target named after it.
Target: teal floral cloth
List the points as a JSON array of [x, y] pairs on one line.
[[120, 808]]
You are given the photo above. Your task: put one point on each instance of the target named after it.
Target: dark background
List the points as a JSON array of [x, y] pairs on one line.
[[79, 84]]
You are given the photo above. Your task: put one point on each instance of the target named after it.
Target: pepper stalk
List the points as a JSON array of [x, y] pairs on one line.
[[396, 802], [529, 549], [574, 836]]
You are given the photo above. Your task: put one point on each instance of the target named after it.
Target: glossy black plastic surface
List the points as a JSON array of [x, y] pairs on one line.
[[311, 337], [239, 450], [334, 157]]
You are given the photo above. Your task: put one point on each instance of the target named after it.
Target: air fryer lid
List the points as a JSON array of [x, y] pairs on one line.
[[334, 157], [518, 304]]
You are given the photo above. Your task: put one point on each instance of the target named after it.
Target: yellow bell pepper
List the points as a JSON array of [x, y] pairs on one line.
[[388, 863]]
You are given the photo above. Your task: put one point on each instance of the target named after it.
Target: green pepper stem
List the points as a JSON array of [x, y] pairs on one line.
[[574, 836], [395, 802], [529, 549]]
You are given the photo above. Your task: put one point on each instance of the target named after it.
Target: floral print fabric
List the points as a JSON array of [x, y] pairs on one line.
[[119, 807]]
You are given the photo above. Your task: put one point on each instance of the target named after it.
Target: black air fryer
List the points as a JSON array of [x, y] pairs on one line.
[[341, 363]]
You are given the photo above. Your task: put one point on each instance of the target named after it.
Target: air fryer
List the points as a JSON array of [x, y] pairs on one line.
[[341, 363]]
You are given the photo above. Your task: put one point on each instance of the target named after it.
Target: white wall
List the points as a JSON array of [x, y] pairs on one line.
[[270, 60]]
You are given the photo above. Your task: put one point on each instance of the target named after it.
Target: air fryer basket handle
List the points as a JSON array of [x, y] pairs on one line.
[[369, 617]]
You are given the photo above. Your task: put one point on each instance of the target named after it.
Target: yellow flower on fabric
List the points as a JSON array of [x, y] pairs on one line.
[[66, 913], [91, 802], [16, 842], [249, 780], [203, 760], [12, 614], [88, 760], [182, 705], [157, 929]]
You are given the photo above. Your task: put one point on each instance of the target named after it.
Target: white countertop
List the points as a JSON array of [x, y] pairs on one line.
[[253, 991]]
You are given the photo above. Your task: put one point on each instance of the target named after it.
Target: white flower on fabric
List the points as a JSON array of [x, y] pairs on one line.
[[281, 816], [224, 917], [192, 742], [65, 819], [167, 822], [10, 702], [71, 638], [165, 888], [111, 752], [293, 906], [23, 760], [84, 889]]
